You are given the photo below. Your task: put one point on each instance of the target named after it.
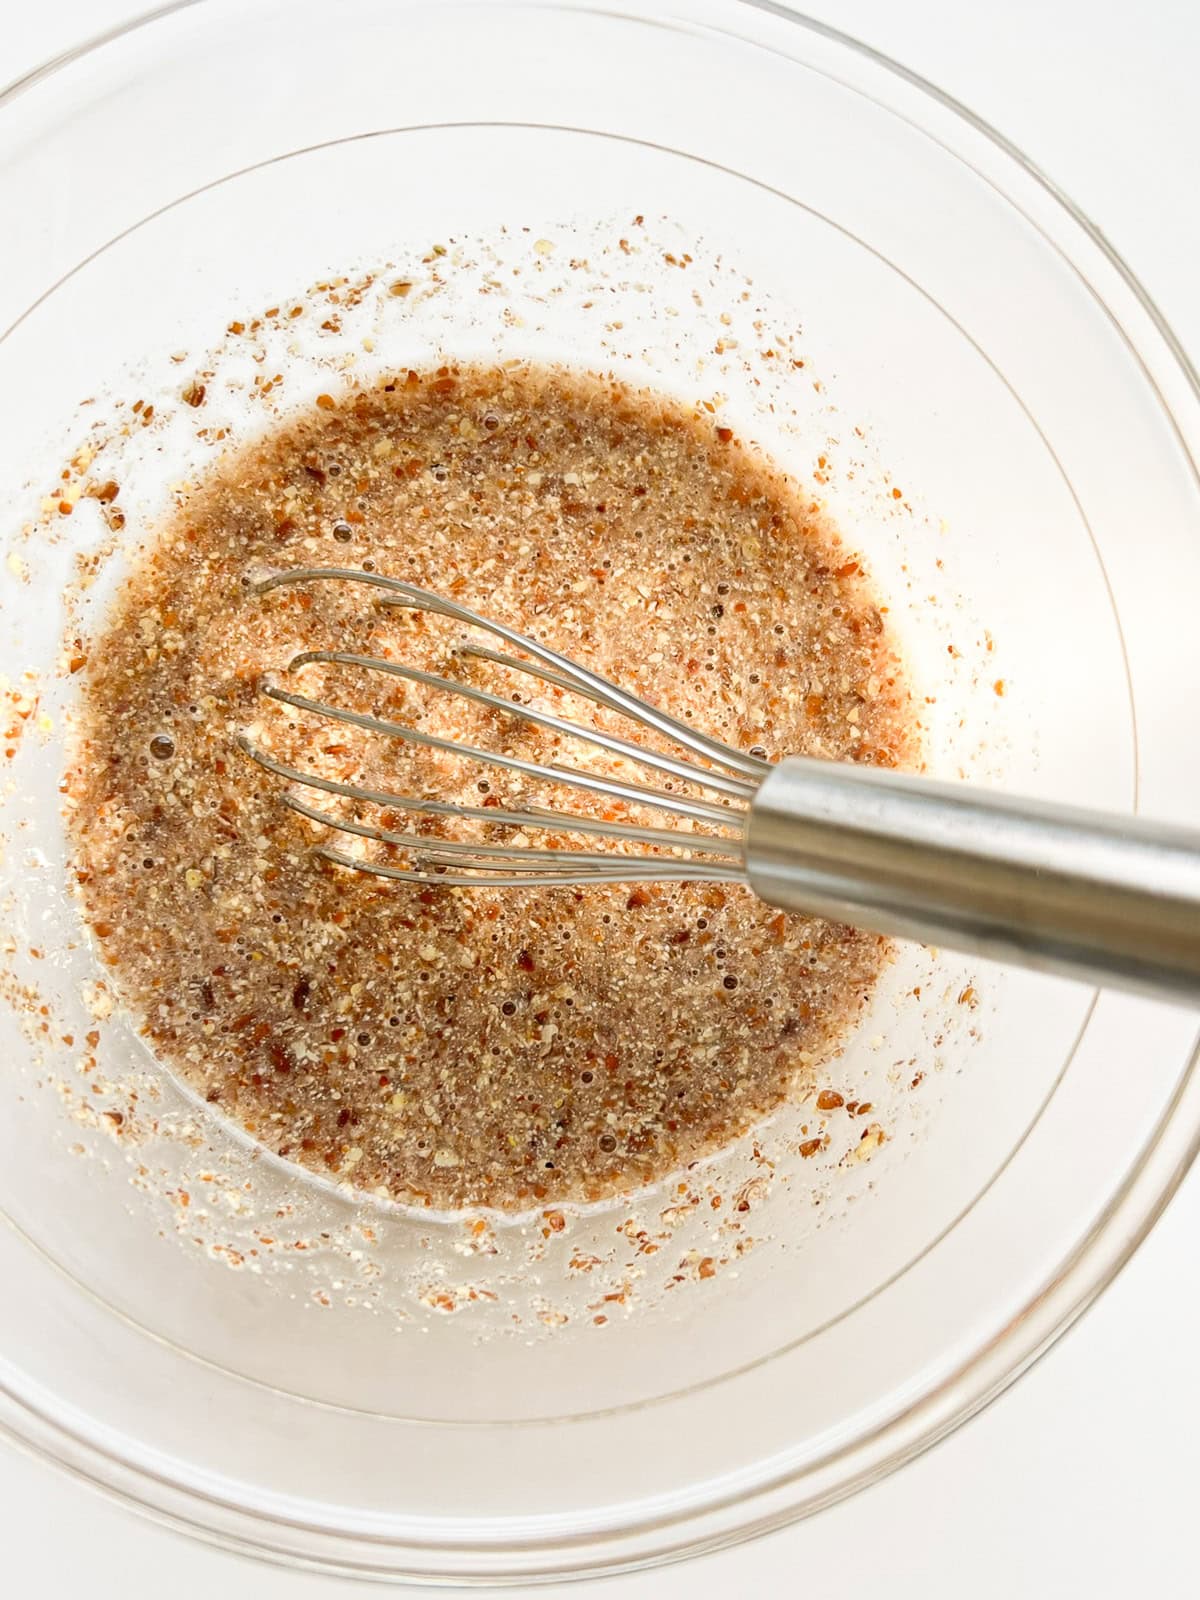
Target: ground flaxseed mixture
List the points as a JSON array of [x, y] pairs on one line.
[[486, 1046]]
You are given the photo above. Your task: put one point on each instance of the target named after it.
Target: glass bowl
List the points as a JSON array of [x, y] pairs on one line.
[[752, 211]]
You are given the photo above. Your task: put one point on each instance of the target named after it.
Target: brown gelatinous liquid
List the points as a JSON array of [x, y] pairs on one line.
[[455, 1047]]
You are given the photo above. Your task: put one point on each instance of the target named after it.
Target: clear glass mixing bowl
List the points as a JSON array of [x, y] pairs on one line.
[[1000, 421]]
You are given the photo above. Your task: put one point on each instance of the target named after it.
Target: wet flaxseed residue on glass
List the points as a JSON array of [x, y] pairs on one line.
[[485, 1046]]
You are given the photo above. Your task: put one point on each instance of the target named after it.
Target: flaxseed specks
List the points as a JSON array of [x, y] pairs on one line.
[[481, 1047]]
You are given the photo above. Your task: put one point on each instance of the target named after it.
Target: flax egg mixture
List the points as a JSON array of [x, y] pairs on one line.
[[488, 1046]]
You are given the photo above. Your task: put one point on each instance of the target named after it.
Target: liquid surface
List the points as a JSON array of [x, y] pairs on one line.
[[456, 1047]]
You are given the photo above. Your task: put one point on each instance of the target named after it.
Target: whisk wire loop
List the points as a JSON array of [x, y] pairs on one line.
[[680, 851]]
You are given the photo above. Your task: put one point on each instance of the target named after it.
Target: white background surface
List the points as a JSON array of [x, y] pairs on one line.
[[1082, 1481]]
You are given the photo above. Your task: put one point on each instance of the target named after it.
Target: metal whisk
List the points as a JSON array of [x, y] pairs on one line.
[[1111, 898]]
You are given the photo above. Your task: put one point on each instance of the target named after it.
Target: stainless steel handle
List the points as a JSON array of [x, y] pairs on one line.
[[1107, 898]]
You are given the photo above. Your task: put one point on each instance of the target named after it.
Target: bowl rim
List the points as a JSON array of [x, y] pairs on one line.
[[1081, 1277]]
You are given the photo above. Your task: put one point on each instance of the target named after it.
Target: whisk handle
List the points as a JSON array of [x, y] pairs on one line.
[[1112, 899]]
